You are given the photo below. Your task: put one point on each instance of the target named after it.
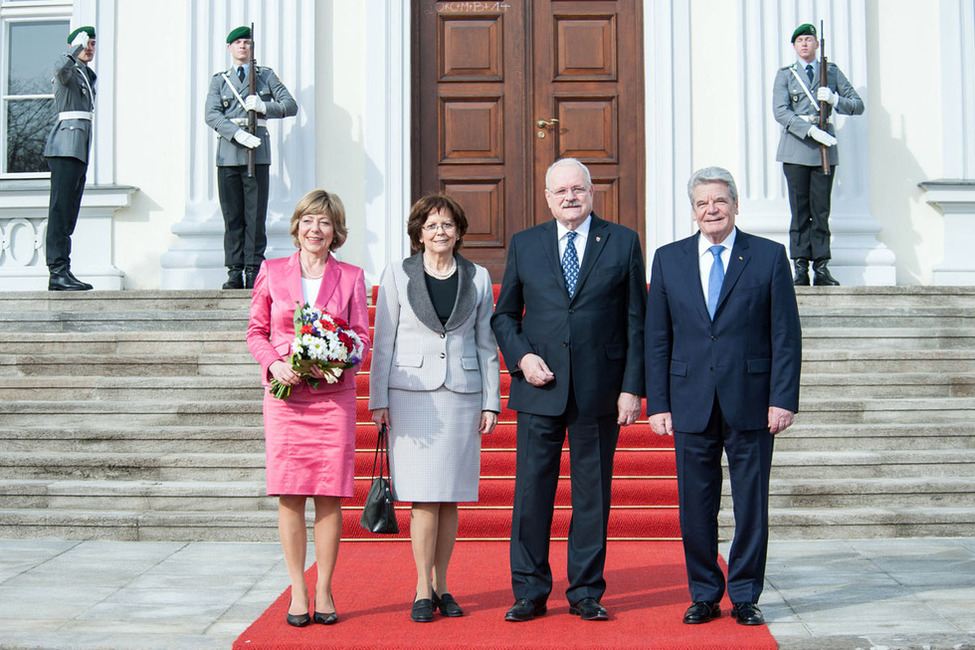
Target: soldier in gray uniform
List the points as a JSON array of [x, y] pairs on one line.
[[67, 154], [795, 102], [243, 199]]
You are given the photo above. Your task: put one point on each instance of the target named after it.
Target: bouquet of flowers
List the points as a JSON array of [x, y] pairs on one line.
[[321, 340]]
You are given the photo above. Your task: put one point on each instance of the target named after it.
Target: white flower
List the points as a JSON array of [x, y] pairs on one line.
[[316, 350], [296, 346]]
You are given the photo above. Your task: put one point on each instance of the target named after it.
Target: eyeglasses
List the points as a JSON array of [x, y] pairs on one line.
[[448, 227], [564, 191]]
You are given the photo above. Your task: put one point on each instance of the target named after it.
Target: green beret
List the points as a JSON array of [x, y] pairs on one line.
[[805, 29], [240, 32], [87, 28]]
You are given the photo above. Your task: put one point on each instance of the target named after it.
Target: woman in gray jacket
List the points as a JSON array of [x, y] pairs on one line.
[[434, 382]]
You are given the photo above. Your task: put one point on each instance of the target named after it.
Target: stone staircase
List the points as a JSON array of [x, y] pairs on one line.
[[136, 416]]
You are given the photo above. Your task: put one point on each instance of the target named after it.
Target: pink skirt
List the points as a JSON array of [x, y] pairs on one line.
[[309, 439]]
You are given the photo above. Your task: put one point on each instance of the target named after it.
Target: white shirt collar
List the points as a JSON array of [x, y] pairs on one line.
[[582, 230], [703, 243]]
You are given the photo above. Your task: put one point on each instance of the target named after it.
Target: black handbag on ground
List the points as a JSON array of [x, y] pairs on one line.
[[378, 515]]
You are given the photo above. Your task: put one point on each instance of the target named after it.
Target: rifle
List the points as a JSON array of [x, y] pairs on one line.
[[823, 106], [252, 115]]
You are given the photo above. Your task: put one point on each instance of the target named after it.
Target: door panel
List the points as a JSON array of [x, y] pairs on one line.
[[487, 72]]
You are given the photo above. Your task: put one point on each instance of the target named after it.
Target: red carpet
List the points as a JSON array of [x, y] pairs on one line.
[[373, 588]]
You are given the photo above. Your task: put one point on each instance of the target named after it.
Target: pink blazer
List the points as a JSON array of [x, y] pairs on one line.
[[277, 292]]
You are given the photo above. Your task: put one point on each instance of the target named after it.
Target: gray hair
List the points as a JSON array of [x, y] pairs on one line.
[[567, 161], [712, 175]]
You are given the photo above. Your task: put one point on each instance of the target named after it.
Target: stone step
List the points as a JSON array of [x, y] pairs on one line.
[[937, 492], [878, 464], [108, 321], [933, 318], [140, 365], [124, 301], [862, 523], [245, 385], [913, 296], [889, 337], [124, 343], [854, 362], [248, 412], [880, 437]]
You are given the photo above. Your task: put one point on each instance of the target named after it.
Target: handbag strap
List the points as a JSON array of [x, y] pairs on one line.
[[381, 455]]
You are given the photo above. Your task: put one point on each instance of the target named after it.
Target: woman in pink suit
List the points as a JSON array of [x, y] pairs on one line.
[[310, 436]]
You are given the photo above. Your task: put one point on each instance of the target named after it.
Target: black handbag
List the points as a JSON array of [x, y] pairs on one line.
[[378, 515]]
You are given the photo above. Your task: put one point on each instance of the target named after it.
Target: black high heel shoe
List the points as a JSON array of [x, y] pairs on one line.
[[330, 618], [298, 620], [327, 618]]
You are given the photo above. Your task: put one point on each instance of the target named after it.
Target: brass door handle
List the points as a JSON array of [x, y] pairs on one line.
[[544, 124]]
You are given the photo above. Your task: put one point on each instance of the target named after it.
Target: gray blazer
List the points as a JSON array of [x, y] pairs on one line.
[[222, 108], [791, 105], [74, 90], [413, 351]]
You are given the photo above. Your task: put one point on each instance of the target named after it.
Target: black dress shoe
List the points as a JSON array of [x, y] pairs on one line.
[[589, 609], [747, 614], [250, 274], [822, 276], [298, 620], [524, 610], [62, 280], [422, 611], [702, 612], [802, 273], [447, 605], [235, 278], [329, 618]]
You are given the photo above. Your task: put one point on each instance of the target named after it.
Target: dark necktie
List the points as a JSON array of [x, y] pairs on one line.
[[715, 279], [240, 73], [570, 263], [809, 72]]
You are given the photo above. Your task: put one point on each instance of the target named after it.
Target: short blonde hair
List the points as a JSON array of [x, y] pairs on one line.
[[321, 202]]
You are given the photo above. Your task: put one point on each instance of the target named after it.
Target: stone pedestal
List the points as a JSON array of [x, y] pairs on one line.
[[956, 201], [23, 227]]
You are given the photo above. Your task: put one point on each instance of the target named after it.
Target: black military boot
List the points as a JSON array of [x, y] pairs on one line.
[[802, 273], [62, 280], [250, 274], [235, 278], [821, 275], [87, 287]]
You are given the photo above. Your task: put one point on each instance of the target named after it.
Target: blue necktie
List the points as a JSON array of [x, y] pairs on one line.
[[240, 73], [715, 279], [570, 263], [809, 72]]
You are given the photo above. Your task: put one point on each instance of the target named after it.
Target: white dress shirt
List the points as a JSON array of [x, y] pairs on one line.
[[706, 259], [582, 234]]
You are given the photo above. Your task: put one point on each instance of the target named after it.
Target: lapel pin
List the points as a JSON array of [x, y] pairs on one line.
[[741, 258], [598, 239]]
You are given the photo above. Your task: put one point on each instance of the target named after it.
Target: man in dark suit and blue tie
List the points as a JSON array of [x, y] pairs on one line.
[[724, 348], [569, 322]]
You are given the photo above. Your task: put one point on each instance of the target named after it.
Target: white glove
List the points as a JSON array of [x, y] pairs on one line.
[[81, 38], [824, 94], [255, 103], [820, 136], [246, 139]]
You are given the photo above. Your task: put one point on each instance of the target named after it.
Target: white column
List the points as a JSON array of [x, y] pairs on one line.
[[667, 56], [284, 41], [387, 136], [859, 258]]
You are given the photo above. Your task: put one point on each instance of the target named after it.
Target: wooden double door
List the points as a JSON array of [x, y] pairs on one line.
[[503, 89]]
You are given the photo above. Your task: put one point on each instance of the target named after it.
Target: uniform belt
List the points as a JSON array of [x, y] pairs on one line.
[[74, 115], [242, 121]]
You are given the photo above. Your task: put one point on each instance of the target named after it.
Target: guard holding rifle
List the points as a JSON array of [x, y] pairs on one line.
[[245, 90], [802, 99]]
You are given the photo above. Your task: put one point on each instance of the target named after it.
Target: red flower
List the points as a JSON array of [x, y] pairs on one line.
[[327, 325], [306, 329], [346, 341], [341, 323]]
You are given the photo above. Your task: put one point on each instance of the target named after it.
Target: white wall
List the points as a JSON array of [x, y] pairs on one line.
[[150, 122], [904, 97]]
